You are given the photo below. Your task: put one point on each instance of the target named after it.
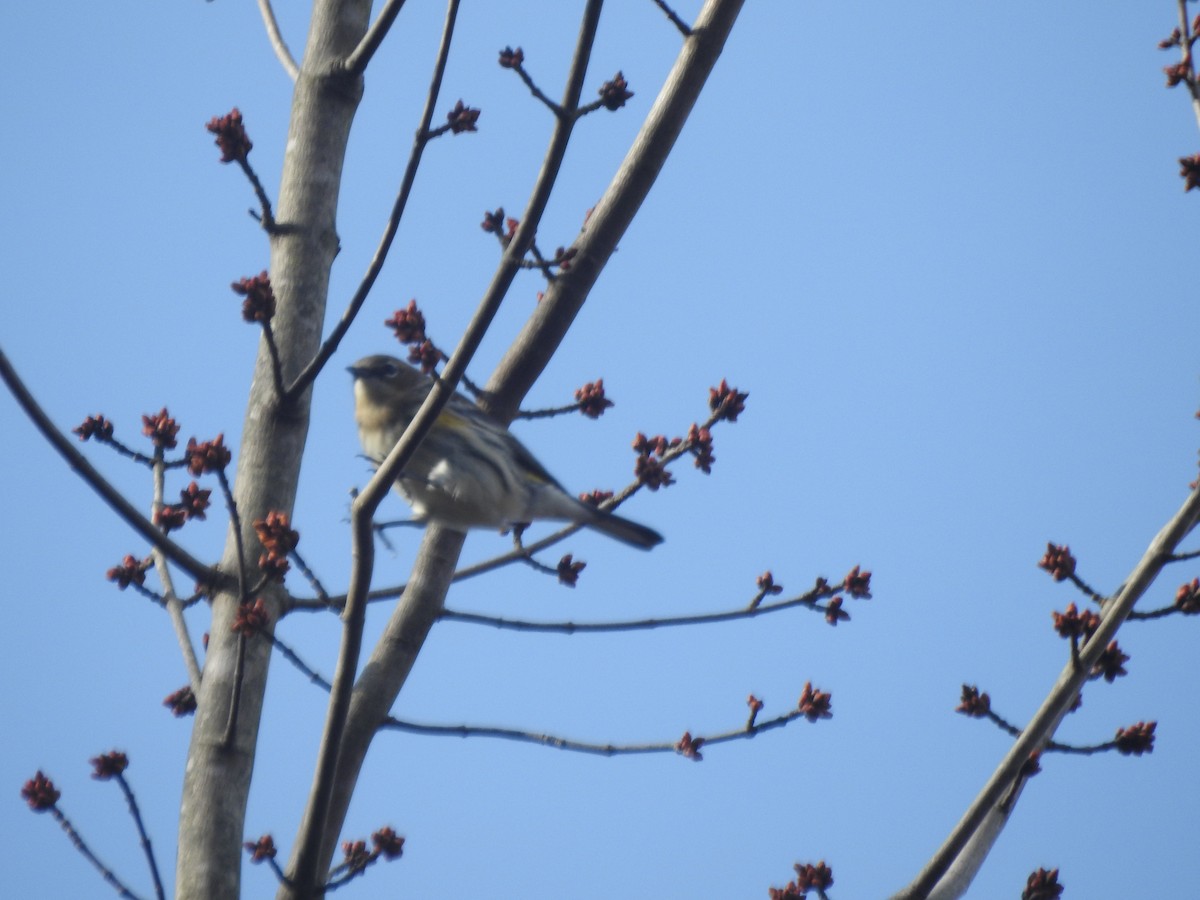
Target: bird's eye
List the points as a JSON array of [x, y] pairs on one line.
[[389, 370]]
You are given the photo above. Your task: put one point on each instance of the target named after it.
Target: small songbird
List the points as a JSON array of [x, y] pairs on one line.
[[469, 471]]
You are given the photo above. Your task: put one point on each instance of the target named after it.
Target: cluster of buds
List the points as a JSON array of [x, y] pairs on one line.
[[726, 402], [496, 223], [689, 746], [1189, 171], [193, 501], [834, 612], [462, 118], [1058, 561], [614, 94], [767, 586], [809, 877], [1136, 740], [511, 59], [568, 570], [259, 305], [356, 856], [1187, 598], [756, 706], [210, 456], [181, 703], [1075, 624], [130, 571], [815, 704], [40, 793], [1042, 885], [426, 356], [262, 849], [858, 584], [973, 703], [408, 327], [231, 136], [701, 447], [649, 467], [387, 843], [591, 399], [251, 618], [408, 324], [107, 766], [1111, 664], [96, 427], [161, 429], [278, 539]]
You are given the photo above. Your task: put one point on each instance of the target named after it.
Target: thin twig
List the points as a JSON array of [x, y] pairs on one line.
[[98, 483], [265, 216], [330, 345], [309, 576], [76, 838], [356, 62], [294, 658], [561, 743], [1051, 746], [235, 695], [170, 600], [809, 600], [1087, 589], [1185, 29], [235, 523], [276, 365], [547, 413], [675, 20], [142, 835], [278, 44], [537, 92], [750, 729]]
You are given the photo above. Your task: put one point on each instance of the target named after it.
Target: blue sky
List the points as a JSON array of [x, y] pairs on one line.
[[946, 252]]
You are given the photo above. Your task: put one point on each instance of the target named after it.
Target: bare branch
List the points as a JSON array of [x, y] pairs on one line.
[[330, 345], [561, 743], [987, 814], [356, 62], [544, 331], [136, 814], [808, 600], [109, 876], [1185, 45], [277, 42], [674, 17], [99, 484], [170, 598]]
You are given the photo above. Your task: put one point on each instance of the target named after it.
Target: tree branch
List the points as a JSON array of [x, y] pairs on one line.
[[99, 484], [951, 869], [277, 42], [532, 350], [330, 345], [560, 743], [808, 600], [170, 598], [356, 62]]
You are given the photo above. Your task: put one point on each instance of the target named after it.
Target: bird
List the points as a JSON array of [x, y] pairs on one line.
[[469, 471]]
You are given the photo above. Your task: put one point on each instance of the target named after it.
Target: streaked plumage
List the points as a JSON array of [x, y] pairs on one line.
[[469, 471]]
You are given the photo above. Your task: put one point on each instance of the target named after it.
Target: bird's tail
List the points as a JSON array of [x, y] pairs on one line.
[[624, 530]]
